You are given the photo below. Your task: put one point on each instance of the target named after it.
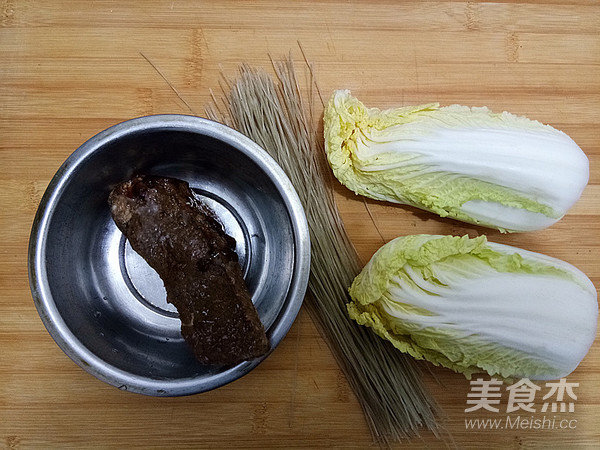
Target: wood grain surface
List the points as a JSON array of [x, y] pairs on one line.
[[69, 69]]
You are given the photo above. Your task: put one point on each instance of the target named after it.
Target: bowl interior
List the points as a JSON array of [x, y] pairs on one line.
[[106, 295]]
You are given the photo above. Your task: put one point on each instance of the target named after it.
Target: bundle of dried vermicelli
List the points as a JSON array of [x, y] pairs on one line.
[[387, 384]]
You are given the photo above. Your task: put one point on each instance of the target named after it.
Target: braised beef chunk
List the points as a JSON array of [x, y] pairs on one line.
[[181, 239]]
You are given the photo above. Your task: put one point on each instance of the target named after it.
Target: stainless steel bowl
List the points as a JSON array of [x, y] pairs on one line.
[[101, 302]]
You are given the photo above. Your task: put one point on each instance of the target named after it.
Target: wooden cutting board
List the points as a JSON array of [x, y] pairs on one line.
[[70, 69]]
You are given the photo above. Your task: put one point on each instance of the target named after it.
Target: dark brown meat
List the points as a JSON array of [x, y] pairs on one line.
[[181, 239]]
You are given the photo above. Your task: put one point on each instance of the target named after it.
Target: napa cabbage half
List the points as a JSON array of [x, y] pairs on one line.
[[475, 306], [497, 170]]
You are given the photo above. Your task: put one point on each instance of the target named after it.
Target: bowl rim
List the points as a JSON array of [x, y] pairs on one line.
[[41, 291]]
